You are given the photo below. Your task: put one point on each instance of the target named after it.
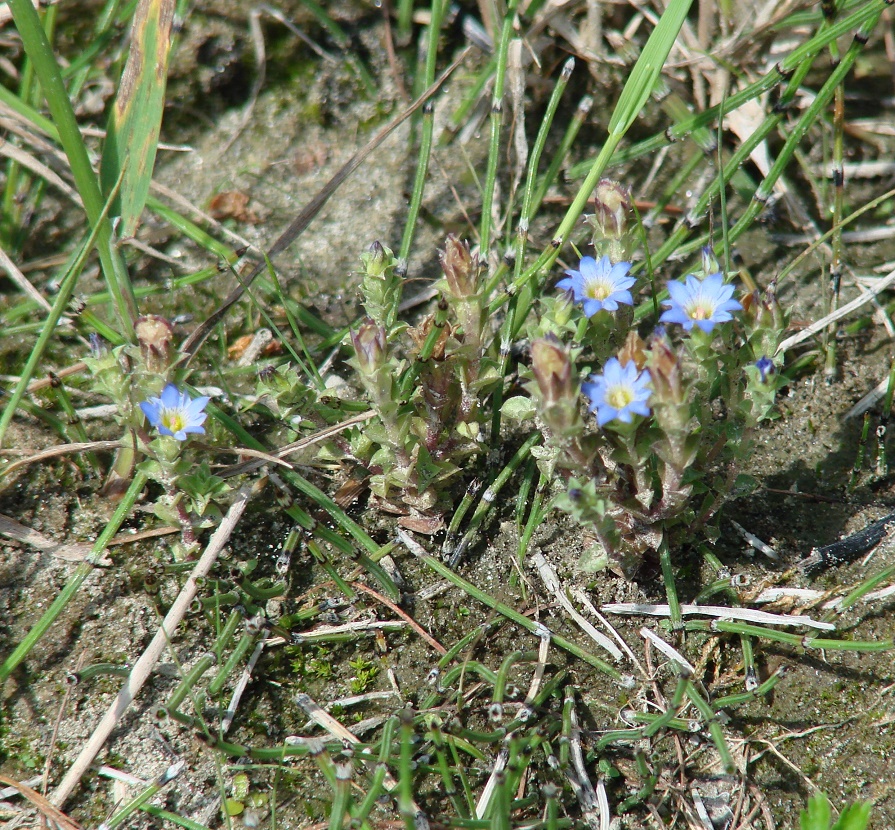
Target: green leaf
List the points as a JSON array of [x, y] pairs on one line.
[[136, 117], [427, 470], [817, 816], [855, 817], [518, 408]]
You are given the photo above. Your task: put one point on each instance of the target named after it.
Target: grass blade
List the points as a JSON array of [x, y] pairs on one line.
[[136, 117], [47, 70]]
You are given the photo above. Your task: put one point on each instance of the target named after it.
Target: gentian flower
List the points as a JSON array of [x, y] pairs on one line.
[[175, 413], [599, 285], [765, 367], [699, 302], [619, 393]]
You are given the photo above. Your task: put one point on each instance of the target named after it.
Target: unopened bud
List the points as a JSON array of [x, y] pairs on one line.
[[778, 316], [461, 268], [665, 370], [552, 370], [613, 204], [710, 264], [154, 334], [764, 310], [377, 260], [634, 348], [369, 346]]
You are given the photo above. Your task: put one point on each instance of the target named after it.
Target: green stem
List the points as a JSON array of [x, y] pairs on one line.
[[496, 124], [75, 580], [523, 621], [674, 605], [422, 167]]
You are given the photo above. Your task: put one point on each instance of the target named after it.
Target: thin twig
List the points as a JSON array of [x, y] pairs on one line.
[[403, 615], [306, 216], [668, 650], [22, 281], [720, 611], [62, 449], [244, 680], [842, 311], [551, 582], [144, 665], [45, 807]]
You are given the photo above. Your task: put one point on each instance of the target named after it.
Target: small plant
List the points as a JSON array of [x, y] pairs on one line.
[[365, 672], [818, 815], [158, 418], [426, 383], [675, 398]]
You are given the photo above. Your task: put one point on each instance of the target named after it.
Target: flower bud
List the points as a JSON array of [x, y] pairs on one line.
[[665, 370], [778, 316], [377, 260], [613, 204], [461, 268], [154, 334], [553, 371], [634, 349], [710, 263], [369, 345], [762, 311]]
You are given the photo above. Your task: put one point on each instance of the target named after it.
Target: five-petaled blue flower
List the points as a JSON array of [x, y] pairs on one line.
[[619, 393], [175, 413], [599, 285], [703, 303]]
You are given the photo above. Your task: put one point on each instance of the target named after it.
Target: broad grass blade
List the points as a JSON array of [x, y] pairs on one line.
[[136, 117], [649, 65]]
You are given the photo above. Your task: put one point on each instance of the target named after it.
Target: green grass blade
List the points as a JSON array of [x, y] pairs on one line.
[[66, 289], [635, 94], [649, 65], [46, 68], [136, 117], [75, 581]]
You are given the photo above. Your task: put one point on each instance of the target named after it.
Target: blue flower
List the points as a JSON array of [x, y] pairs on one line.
[[765, 367], [599, 285], [619, 393], [175, 413], [700, 302]]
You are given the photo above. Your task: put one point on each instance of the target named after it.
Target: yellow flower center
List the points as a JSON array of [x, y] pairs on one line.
[[597, 290], [173, 419], [700, 312], [618, 397]]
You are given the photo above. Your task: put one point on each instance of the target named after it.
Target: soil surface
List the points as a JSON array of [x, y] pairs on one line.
[[828, 724]]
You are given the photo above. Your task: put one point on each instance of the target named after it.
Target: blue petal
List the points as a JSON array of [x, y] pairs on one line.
[[195, 409], [619, 274], [151, 409], [675, 314], [680, 294], [730, 305], [170, 397], [589, 269]]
